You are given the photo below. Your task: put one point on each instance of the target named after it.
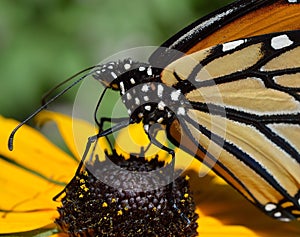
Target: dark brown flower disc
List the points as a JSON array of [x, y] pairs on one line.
[[91, 207]]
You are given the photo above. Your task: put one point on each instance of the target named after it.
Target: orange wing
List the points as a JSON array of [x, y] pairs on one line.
[[242, 18]]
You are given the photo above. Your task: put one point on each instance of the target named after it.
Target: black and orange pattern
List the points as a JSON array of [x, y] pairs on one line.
[[231, 99]]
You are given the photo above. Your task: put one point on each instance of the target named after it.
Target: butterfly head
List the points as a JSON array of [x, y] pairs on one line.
[[141, 89], [123, 75]]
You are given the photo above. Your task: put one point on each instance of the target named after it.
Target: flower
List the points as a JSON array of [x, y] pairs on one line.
[[121, 197], [37, 170]]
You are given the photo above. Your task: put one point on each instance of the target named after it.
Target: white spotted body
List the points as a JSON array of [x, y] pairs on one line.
[[145, 97]]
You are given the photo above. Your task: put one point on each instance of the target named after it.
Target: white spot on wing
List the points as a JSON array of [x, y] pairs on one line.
[[280, 42], [277, 214], [270, 207], [262, 68], [284, 219], [232, 45]]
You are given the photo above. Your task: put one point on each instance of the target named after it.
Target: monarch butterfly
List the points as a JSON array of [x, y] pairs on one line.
[[249, 52]]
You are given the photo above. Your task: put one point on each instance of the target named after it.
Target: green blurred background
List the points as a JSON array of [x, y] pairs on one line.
[[44, 42]]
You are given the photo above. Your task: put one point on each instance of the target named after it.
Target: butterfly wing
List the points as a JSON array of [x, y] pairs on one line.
[[240, 19], [243, 116]]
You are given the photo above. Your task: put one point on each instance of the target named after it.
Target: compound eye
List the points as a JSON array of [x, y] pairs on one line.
[[107, 74]]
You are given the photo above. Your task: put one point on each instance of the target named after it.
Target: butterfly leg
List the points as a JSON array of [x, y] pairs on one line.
[[110, 120], [151, 133], [91, 140], [103, 120]]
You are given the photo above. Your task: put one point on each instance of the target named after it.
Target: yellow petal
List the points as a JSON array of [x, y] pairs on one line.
[[133, 138], [211, 227], [21, 222], [75, 132], [24, 191], [35, 152]]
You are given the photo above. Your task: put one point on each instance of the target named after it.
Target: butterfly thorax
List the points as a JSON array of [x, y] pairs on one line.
[[146, 98]]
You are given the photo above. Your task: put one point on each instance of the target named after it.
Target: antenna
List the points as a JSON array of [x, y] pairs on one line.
[[49, 92], [46, 103]]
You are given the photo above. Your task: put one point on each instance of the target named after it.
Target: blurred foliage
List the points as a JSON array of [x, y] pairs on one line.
[[44, 42]]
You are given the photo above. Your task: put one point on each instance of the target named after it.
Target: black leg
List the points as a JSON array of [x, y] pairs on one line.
[[110, 120], [86, 151], [103, 120], [91, 140], [115, 128], [151, 133]]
